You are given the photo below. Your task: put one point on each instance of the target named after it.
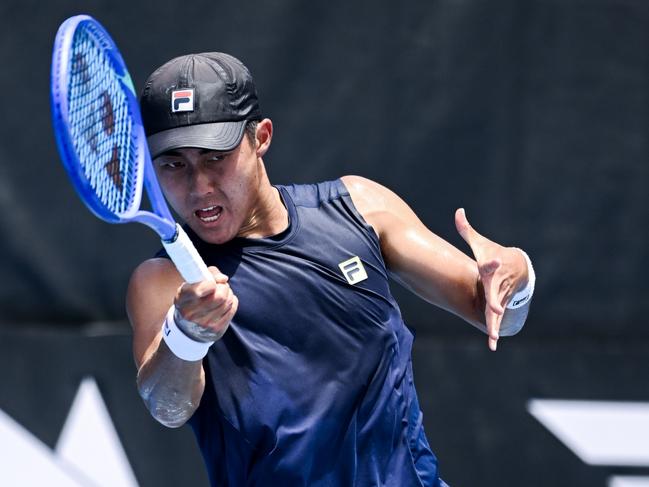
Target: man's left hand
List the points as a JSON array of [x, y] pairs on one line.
[[502, 270]]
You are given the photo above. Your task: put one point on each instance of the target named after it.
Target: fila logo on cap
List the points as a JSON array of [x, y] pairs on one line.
[[182, 100], [353, 270]]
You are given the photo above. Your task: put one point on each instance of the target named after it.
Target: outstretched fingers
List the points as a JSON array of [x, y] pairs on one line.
[[496, 285], [464, 228], [493, 320], [493, 305]]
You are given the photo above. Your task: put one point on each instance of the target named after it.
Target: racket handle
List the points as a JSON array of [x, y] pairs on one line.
[[186, 258]]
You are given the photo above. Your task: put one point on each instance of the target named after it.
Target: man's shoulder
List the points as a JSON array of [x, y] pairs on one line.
[[155, 271], [366, 196], [314, 194]]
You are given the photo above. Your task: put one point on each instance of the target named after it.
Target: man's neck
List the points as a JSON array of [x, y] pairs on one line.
[[269, 216]]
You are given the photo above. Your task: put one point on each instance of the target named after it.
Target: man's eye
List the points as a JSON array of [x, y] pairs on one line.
[[216, 158], [171, 165]]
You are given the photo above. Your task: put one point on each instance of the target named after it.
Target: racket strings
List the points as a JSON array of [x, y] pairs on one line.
[[100, 124]]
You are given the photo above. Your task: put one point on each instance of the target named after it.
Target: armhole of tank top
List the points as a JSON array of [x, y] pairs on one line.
[[343, 192]]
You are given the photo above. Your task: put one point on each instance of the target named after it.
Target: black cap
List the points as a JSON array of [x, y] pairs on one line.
[[198, 100]]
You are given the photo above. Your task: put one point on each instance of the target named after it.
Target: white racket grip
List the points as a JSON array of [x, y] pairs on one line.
[[186, 258]]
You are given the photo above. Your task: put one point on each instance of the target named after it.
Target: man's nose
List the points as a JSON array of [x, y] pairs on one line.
[[200, 182]]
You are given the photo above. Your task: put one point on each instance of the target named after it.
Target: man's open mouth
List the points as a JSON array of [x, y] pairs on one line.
[[209, 214]]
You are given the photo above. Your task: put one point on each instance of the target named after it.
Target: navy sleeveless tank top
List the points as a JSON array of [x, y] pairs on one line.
[[312, 383]]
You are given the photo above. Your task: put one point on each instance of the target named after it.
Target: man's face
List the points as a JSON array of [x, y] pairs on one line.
[[215, 193]]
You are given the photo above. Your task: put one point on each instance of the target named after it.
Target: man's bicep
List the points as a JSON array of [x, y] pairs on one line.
[[431, 267], [416, 257], [150, 293]]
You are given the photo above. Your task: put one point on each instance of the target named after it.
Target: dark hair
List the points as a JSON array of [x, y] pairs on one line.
[[251, 132]]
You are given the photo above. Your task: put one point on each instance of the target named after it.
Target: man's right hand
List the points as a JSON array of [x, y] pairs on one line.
[[204, 309]]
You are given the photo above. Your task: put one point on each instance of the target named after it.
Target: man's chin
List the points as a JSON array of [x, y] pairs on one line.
[[210, 234]]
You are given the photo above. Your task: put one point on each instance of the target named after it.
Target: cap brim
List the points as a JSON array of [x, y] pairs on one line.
[[220, 136]]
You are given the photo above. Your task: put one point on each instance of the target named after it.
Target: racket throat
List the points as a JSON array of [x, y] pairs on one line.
[[167, 230]]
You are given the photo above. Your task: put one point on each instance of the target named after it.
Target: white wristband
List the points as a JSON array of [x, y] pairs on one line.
[[522, 297], [180, 344]]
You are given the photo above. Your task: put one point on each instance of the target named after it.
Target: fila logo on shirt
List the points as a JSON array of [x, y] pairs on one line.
[[353, 270], [182, 100]]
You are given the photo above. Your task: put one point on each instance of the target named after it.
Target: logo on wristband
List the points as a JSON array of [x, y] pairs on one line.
[[518, 302]]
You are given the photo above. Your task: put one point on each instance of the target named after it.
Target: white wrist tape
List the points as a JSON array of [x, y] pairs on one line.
[[180, 344], [522, 297]]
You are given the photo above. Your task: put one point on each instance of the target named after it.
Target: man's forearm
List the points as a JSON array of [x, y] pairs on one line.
[[170, 387]]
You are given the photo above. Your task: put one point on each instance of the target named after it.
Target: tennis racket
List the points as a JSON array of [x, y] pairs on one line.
[[101, 139]]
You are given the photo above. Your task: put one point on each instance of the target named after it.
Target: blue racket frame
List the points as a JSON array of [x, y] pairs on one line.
[[160, 219]]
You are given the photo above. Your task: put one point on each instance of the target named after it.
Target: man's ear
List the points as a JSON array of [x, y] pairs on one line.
[[263, 136]]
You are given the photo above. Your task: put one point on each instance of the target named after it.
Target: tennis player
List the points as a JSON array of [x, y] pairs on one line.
[[293, 366]]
